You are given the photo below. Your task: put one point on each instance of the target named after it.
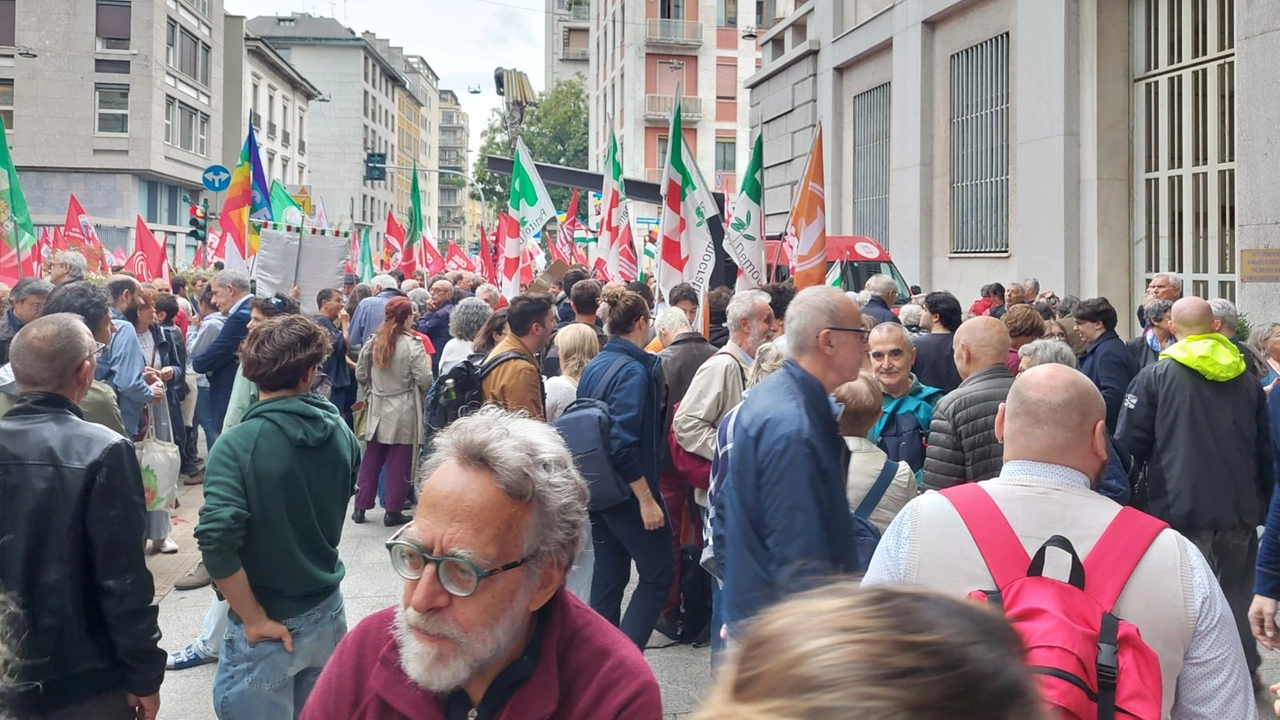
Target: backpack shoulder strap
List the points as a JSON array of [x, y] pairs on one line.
[[1000, 546], [488, 367], [608, 376], [876, 493], [1117, 553]]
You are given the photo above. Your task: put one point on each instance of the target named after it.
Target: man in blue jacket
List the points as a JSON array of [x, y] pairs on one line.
[[784, 518], [121, 364], [1107, 361], [220, 361]]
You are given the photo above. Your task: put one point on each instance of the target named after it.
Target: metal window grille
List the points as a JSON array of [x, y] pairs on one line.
[[980, 147], [871, 130], [1184, 123]]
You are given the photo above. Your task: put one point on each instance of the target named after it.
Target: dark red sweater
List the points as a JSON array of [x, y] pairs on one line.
[[587, 670]]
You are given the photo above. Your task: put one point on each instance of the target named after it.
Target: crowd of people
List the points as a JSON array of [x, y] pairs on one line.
[[752, 458]]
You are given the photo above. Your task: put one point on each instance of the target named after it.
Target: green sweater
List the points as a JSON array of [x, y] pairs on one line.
[[276, 490]]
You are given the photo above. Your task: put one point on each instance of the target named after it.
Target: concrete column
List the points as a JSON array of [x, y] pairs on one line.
[[911, 151], [1045, 193], [1257, 145]]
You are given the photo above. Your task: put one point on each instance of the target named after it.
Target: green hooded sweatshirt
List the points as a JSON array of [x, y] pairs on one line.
[[276, 490], [1212, 355]]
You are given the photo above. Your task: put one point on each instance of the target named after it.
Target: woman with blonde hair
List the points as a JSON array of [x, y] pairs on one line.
[[395, 370], [845, 652], [577, 344]]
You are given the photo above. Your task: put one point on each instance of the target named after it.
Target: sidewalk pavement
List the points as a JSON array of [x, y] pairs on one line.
[[370, 585]]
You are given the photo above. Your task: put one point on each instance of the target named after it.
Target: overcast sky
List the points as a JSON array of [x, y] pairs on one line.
[[463, 40]]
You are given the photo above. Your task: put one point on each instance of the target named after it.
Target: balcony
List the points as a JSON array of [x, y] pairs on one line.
[[255, 119], [576, 55], [580, 12], [657, 109], [302, 146], [271, 128], [286, 139], [674, 35]]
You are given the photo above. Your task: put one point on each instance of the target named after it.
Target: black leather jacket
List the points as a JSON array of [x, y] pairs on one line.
[[71, 553]]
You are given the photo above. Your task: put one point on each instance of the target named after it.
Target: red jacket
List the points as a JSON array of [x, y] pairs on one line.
[[587, 670]]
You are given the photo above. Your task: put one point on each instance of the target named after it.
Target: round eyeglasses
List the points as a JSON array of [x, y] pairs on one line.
[[458, 576]]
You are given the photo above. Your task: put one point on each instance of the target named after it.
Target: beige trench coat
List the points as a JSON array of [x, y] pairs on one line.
[[394, 393]]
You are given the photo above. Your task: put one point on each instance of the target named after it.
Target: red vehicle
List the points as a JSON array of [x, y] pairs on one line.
[[851, 260]]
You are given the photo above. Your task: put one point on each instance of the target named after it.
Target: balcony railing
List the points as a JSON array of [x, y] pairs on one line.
[[580, 12], [576, 54], [255, 118], [286, 139], [302, 146], [685, 33], [271, 128], [657, 108]]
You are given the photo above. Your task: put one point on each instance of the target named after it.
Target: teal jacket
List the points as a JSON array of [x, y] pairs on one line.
[[275, 496], [919, 401]]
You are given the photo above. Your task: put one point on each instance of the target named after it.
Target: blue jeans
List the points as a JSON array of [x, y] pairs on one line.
[[619, 537], [204, 416], [260, 681]]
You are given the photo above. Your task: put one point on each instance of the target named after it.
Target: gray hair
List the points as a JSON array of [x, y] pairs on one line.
[[881, 285], [813, 310], [1174, 279], [1157, 310], [743, 306], [487, 289], [383, 282], [233, 279], [77, 266], [673, 318], [1028, 284], [1223, 311], [531, 464], [468, 317], [409, 286], [911, 314], [419, 297], [885, 328], [769, 358], [1049, 351], [47, 351], [30, 287]]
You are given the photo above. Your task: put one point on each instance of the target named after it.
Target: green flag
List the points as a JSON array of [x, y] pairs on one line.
[[16, 229], [284, 209], [366, 258], [530, 202], [413, 231], [744, 240]]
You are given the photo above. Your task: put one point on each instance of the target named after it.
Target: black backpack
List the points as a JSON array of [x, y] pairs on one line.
[[460, 391], [694, 623], [903, 440]]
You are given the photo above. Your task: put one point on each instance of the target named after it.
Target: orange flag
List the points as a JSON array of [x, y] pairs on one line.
[[808, 221]]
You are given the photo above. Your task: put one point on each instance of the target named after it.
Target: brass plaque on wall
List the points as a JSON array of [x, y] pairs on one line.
[[1260, 266]]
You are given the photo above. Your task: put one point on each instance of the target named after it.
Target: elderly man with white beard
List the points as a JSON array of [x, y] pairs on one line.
[[486, 628]]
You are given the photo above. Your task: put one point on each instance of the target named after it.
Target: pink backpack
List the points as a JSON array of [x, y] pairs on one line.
[[1089, 663]]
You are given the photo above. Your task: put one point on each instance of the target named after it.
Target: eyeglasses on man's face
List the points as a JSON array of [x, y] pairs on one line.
[[862, 334], [458, 576]]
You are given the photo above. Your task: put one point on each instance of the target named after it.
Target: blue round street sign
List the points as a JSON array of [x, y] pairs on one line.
[[216, 178]]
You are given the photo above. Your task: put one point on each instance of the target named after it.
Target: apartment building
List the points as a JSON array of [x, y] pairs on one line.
[[568, 40], [120, 106], [455, 135], [1087, 144], [426, 87], [362, 86], [262, 88]]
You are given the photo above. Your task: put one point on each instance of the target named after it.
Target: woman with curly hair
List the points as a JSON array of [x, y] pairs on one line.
[[395, 370]]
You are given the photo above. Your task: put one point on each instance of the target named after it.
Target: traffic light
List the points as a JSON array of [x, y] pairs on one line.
[[199, 224], [375, 166]]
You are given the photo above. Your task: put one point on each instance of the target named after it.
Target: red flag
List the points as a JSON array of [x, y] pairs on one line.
[[513, 254], [628, 264], [487, 265], [153, 250], [82, 236], [562, 248], [137, 264], [427, 254], [602, 271], [394, 244], [458, 260], [119, 258], [59, 239], [9, 272]]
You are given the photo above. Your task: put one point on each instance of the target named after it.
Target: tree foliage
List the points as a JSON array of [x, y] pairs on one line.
[[555, 131]]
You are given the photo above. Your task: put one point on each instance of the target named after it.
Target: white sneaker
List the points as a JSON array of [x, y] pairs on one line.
[[167, 546]]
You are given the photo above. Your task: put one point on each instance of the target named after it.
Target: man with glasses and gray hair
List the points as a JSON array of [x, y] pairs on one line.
[[26, 301], [67, 266], [485, 627]]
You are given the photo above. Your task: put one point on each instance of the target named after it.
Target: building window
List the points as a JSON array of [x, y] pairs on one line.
[[8, 21], [202, 5], [112, 109], [302, 174], [284, 170], [726, 81], [1184, 144], [202, 136], [205, 54], [727, 13], [253, 100], [726, 155], [6, 103], [871, 164], [170, 109], [191, 132], [171, 42], [114, 24], [980, 148]]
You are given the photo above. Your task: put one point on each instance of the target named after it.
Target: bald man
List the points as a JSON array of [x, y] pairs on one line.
[[782, 524], [1198, 423], [1053, 427], [962, 444]]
